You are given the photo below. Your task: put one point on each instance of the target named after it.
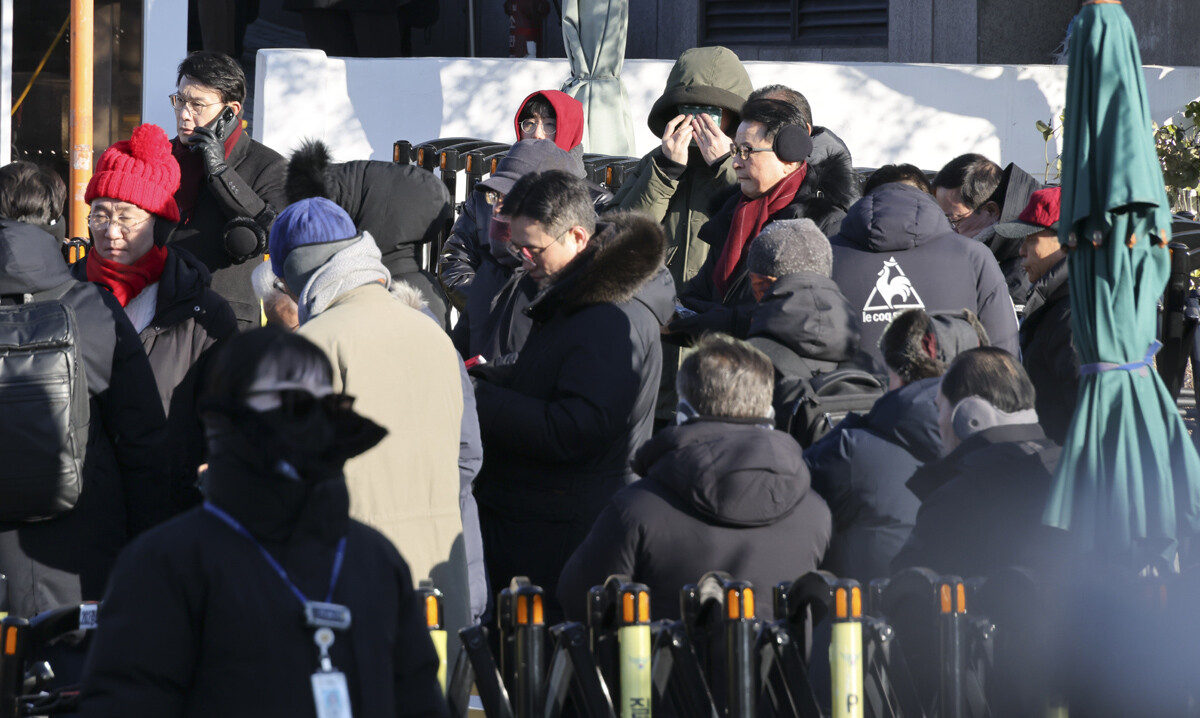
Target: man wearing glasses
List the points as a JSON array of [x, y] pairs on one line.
[[231, 187], [560, 423]]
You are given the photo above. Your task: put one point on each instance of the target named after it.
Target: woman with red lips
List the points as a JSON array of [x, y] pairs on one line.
[[164, 290]]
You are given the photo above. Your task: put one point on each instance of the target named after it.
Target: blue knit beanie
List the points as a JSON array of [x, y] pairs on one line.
[[315, 220]]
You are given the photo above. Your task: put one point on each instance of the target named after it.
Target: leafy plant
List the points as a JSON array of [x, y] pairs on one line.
[[1179, 153], [1049, 133]]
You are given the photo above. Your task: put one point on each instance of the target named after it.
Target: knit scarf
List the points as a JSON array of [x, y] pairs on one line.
[[191, 171], [352, 267], [748, 219], [126, 281]]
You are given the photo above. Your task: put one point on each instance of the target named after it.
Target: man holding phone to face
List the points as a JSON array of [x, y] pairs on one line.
[[231, 187]]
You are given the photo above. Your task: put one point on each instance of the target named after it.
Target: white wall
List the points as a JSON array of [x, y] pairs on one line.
[[886, 112], [6, 88], [164, 44]]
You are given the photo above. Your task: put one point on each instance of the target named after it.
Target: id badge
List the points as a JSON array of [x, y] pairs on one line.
[[331, 694], [318, 614]]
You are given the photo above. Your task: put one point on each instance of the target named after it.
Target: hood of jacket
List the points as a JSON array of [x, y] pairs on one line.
[[934, 475], [1050, 287], [625, 253], [702, 76], [808, 314], [892, 218], [30, 259], [399, 205], [829, 149], [732, 474], [908, 417], [568, 114]]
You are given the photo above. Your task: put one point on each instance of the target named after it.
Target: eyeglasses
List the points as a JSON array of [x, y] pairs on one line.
[[550, 127], [493, 198], [745, 151], [196, 108], [524, 252], [955, 221], [100, 223]]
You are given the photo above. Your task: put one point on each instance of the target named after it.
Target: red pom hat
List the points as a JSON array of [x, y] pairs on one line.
[[140, 171]]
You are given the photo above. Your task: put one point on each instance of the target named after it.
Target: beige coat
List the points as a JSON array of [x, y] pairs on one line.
[[403, 371]]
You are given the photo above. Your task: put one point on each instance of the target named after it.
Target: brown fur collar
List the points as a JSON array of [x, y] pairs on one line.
[[624, 253]]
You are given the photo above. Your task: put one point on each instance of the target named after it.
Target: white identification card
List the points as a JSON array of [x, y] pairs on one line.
[[331, 694]]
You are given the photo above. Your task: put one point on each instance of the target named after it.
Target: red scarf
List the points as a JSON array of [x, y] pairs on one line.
[[748, 219], [126, 281], [191, 171]]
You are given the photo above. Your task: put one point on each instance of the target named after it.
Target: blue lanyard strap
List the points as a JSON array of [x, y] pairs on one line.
[[236, 526], [1138, 366]]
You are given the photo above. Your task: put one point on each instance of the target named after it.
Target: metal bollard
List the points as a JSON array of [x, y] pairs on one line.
[[952, 605], [633, 637], [846, 651], [741, 631], [402, 152], [432, 601], [527, 629]]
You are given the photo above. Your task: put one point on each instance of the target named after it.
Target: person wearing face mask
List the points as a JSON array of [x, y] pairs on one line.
[[982, 502], [269, 594], [720, 490], [163, 288]]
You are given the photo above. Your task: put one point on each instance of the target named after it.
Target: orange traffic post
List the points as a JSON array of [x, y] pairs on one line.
[[80, 171]]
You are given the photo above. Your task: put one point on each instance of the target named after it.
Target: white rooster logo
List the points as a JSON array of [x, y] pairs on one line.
[[893, 290]]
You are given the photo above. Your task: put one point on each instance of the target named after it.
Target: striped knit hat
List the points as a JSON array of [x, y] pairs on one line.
[[140, 171]]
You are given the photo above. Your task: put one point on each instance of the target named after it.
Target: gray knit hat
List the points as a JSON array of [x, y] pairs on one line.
[[790, 246]]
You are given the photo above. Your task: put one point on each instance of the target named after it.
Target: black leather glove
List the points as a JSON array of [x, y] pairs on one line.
[[496, 371], [212, 148]]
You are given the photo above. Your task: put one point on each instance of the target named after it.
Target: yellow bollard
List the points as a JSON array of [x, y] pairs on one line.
[[846, 651], [633, 636], [431, 601]]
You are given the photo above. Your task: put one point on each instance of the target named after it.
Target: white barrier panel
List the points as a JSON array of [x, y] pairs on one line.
[[886, 112]]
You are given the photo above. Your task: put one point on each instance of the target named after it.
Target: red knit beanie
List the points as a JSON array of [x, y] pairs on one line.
[[140, 171]]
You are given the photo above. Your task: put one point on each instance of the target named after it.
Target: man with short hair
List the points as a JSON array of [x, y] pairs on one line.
[[802, 321], [1047, 348], [231, 187], [720, 491], [981, 504], [32, 194], [976, 194], [562, 421]]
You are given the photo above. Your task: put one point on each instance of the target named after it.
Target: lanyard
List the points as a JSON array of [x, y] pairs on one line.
[[337, 559]]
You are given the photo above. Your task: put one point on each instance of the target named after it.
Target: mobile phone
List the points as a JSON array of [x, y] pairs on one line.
[[475, 361], [711, 111], [223, 123]]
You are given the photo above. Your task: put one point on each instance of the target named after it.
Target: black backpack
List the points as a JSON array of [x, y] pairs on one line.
[[44, 407], [816, 405]]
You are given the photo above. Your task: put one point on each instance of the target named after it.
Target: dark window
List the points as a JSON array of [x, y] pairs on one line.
[[804, 23]]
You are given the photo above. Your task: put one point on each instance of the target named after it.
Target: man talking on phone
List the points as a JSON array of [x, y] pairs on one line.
[[231, 187]]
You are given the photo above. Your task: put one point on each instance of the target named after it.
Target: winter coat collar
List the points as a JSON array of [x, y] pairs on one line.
[[624, 253], [180, 287], [808, 314], [933, 476], [892, 218], [1049, 289], [30, 260], [732, 474]]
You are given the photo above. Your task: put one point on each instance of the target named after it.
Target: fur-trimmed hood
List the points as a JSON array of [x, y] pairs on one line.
[[624, 254]]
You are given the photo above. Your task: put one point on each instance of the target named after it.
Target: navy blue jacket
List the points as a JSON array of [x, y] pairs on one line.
[[897, 251], [860, 468]]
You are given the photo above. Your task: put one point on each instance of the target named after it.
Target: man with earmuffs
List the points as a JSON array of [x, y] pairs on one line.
[[982, 502], [231, 187], [770, 159]]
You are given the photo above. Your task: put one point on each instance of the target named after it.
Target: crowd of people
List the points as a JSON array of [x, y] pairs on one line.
[[586, 384]]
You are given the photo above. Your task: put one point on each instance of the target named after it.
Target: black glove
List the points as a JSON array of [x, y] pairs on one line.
[[718, 319], [496, 371], [212, 147]]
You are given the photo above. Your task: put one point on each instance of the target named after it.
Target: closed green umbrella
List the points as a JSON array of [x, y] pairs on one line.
[[594, 32], [1128, 485]]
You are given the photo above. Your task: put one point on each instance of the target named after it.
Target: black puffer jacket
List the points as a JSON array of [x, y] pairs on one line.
[[716, 496], [197, 623], [188, 319], [68, 558], [494, 322], [404, 208], [252, 187], [896, 251], [861, 467], [1048, 352], [981, 506], [806, 327], [827, 190]]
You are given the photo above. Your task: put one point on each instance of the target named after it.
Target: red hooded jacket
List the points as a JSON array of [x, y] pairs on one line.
[[568, 114]]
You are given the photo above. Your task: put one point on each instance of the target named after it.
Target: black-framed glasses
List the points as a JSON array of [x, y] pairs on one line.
[[100, 223], [955, 221], [194, 107], [524, 252], [744, 151], [529, 126]]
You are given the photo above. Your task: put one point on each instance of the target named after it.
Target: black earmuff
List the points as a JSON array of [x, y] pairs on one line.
[[792, 144]]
